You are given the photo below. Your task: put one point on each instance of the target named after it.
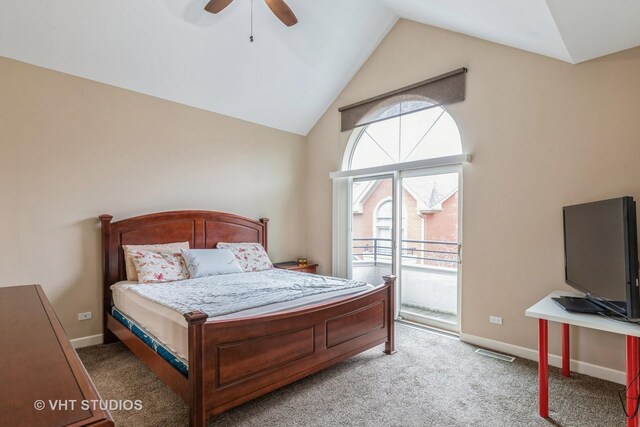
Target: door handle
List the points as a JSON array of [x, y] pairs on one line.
[[459, 254]]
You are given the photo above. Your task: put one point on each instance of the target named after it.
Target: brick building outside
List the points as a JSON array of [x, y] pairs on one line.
[[430, 214]]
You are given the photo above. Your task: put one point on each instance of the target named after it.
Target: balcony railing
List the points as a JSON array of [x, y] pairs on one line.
[[427, 252]]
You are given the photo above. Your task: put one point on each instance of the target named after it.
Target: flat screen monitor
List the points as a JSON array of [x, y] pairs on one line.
[[600, 244]]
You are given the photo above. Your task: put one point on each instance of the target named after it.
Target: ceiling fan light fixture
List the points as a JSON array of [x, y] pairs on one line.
[[279, 8]]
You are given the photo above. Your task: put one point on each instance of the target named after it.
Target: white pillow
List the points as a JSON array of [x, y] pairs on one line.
[[210, 262], [159, 267], [132, 274], [251, 256]]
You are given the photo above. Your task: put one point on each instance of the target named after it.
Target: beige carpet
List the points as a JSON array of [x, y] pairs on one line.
[[432, 381]]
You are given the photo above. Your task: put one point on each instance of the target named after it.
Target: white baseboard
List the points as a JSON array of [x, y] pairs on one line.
[[86, 341], [554, 360]]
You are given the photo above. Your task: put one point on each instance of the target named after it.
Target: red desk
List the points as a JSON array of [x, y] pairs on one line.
[[547, 310]]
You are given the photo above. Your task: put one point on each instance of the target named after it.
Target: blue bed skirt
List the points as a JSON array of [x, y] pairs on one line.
[[151, 341]]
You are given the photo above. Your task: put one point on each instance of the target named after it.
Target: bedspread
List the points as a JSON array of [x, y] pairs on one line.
[[230, 293]]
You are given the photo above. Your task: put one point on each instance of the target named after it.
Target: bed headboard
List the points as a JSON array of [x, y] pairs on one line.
[[202, 229]]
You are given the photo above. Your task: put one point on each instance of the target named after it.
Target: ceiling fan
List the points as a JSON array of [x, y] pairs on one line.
[[278, 7]]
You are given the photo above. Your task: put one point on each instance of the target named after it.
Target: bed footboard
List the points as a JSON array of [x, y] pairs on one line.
[[234, 361]]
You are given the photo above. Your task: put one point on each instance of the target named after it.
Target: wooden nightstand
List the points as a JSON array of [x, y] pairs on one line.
[[292, 265]]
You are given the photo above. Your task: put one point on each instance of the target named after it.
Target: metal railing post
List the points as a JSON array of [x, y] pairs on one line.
[[375, 251]]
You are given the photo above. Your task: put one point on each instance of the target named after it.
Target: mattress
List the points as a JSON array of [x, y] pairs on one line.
[[169, 327], [152, 342]]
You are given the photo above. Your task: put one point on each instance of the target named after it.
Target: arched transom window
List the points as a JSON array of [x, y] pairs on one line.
[[422, 135]]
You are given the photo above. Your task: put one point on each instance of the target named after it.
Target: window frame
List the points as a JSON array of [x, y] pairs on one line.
[[355, 137]]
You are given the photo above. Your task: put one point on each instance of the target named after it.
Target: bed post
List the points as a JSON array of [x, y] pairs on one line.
[[105, 223], [265, 222], [197, 415], [390, 345]]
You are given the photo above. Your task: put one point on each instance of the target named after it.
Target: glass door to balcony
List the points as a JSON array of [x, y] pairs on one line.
[[429, 256], [423, 228], [372, 226]]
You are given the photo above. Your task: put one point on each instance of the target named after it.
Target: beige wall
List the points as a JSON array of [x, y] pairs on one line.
[[542, 133], [71, 149]]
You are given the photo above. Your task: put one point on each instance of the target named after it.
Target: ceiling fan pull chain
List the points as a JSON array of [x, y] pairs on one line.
[[251, 35]]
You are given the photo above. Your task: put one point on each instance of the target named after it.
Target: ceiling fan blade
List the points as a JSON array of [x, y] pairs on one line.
[[282, 11], [215, 6]]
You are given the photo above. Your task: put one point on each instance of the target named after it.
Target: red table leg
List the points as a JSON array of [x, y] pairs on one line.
[[543, 364], [566, 358], [632, 371]]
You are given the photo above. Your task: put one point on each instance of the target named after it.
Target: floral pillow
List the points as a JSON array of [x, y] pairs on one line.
[[158, 267], [132, 275], [251, 256]]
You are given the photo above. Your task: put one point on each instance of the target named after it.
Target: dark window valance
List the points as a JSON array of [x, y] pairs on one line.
[[436, 91]]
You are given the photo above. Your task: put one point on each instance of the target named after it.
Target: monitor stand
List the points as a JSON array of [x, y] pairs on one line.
[[579, 305]]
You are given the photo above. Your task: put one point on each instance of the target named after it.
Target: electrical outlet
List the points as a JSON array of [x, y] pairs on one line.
[[85, 316], [496, 320]]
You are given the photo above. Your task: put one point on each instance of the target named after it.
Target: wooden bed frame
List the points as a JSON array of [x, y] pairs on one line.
[[236, 360]]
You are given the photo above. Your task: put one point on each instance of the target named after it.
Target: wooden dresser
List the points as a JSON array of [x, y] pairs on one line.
[[292, 265], [39, 369]]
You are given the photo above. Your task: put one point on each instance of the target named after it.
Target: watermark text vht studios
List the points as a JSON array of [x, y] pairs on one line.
[[88, 405]]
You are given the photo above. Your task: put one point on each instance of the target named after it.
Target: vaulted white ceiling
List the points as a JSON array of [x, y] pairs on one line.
[[287, 78], [175, 50], [569, 30]]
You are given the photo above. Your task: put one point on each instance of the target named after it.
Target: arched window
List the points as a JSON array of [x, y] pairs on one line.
[[383, 223], [422, 135], [407, 166], [383, 220]]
